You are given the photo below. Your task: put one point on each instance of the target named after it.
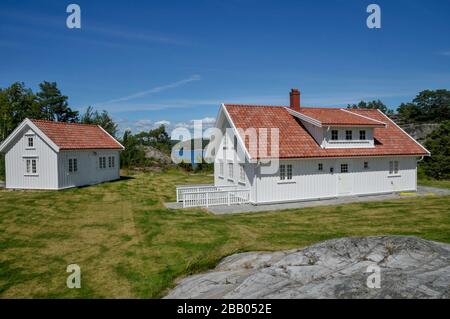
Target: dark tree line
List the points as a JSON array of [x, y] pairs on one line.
[[427, 107]]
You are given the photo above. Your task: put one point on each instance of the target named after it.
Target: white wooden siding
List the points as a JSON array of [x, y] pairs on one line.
[[309, 183], [89, 171], [47, 174]]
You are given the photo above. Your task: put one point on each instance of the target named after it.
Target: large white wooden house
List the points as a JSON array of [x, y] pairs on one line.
[[54, 155], [321, 153]]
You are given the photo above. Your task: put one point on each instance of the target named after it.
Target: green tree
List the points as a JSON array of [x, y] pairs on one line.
[[427, 106], [375, 104], [53, 105], [134, 154], [438, 143], [103, 119]]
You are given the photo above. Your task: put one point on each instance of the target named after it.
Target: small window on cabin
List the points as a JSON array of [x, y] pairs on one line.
[[393, 167], [230, 171], [366, 165], [344, 168], [31, 166], [73, 165], [362, 135], [235, 143], [113, 158], [30, 142], [241, 173], [334, 135], [320, 167], [282, 172], [221, 170], [109, 161], [289, 171], [348, 135]]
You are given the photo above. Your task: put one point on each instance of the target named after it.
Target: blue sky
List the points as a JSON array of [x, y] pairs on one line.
[[175, 61]]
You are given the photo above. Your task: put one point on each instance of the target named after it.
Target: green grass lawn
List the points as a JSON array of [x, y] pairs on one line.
[[128, 245]]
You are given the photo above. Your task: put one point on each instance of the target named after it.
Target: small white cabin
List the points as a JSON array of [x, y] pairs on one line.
[[54, 155]]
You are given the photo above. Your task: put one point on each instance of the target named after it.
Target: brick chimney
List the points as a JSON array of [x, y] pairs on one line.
[[295, 100]]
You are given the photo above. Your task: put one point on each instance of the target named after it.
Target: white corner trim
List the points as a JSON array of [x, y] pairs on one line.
[[366, 117], [404, 132], [33, 127], [111, 137], [236, 132], [304, 117]]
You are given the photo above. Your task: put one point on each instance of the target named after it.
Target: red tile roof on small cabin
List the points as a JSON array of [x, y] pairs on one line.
[[296, 142], [74, 136]]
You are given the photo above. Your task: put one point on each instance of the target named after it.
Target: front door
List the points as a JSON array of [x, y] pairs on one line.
[[344, 177]]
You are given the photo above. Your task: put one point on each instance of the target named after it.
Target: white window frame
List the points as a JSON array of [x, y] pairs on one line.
[[28, 138], [72, 165], [29, 166], [289, 172], [241, 174], [361, 133], [221, 169], [113, 160], [394, 168], [110, 162], [282, 172], [344, 171], [102, 162], [320, 167], [337, 135], [348, 137], [231, 171]]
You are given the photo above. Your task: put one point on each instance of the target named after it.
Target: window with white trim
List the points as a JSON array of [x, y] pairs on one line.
[[221, 169], [282, 172], [113, 159], [230, 171], [110, 161], [334, 135], [241, 173], [225, 142], [30, 142], [235, 143], [349, 135], [73, 165], [366, 165], [344, 168], [362, 135], [102, 162], [289, 171], [31, 166], [320, 167], [393, 167]]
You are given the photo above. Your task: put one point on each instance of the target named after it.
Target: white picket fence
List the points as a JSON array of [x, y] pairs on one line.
[[209, 195], [201, 188]]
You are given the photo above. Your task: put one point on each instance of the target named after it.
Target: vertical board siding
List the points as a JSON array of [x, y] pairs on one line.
[[47, 175], [309, 183], [89, 171]]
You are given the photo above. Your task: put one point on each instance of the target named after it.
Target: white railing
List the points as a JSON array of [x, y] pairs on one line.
[[216, 198], [182, 189]]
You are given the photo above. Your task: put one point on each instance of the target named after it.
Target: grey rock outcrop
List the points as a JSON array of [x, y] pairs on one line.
[[409, 267]]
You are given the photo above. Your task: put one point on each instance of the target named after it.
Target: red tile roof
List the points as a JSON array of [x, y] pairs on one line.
[[331, 116], [296, 142], [74, 136]]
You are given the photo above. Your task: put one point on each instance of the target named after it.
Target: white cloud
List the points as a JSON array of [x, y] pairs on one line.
[[445, 53], [162, 122]]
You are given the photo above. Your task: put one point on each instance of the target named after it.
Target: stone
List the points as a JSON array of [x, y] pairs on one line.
[[409, 267]]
